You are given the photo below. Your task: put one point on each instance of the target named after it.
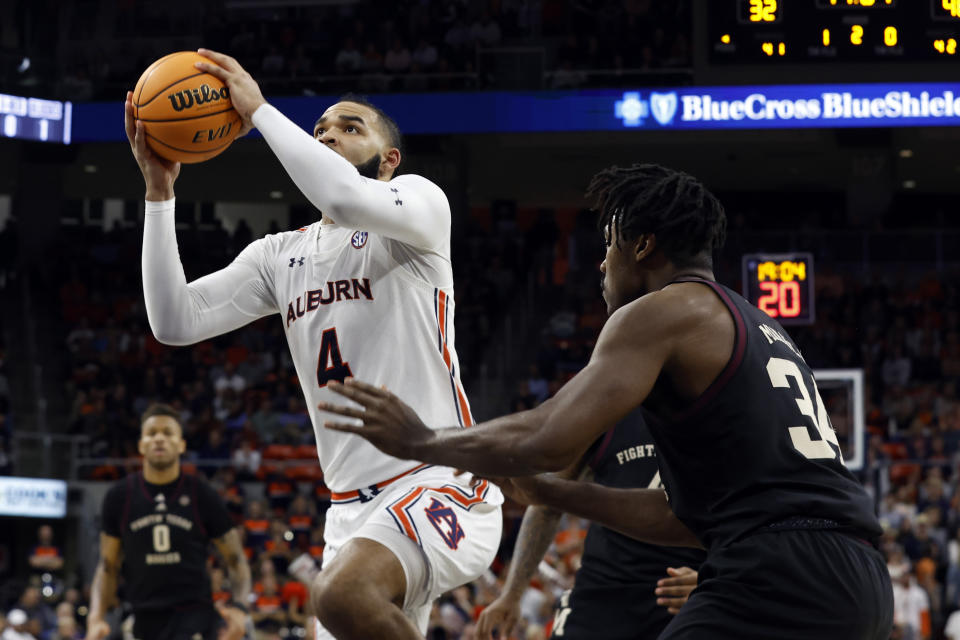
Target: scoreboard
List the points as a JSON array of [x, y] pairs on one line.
[[35, 119], [767, 31], [781, 285]]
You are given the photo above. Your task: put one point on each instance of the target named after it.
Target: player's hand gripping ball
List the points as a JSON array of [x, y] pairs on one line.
[[186, 113]]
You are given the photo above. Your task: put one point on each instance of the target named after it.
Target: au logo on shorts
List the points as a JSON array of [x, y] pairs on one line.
[[444, 520], [359, 239]]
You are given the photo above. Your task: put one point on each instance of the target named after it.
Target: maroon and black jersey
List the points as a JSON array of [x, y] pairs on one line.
[[757, 447], [165, 533], [614, 587]]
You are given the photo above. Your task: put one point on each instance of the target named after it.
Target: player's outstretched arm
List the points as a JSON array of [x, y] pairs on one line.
[[643, 514], [410, 209], [103, 591], [632, 350], [181, 313], [537, 531]]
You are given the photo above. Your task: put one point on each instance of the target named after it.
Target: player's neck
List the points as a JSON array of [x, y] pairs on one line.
[[161, 476], [670, 273]]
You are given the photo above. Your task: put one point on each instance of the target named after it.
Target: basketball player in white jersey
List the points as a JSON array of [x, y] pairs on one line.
[[366, 291]]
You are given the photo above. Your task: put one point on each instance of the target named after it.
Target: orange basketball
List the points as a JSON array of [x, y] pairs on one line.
[[187, 114]]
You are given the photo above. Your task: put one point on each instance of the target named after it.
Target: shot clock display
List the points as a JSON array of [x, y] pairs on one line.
[[781, 285], [753, 31]]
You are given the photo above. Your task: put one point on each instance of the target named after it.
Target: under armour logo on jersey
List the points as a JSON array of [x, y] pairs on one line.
[[398, 201], [161, 502], [294, 261], [359, 239], [368, 494]]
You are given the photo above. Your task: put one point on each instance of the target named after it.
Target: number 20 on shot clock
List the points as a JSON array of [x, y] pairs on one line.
[[781, 285]]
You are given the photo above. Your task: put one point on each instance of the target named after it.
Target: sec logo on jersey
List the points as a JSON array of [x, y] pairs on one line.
[[359, 239]]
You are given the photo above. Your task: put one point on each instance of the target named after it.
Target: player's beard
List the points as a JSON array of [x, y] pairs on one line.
[[161, 464], [370, 168]]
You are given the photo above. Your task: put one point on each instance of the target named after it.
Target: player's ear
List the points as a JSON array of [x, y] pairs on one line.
[[141, 445], [644, 246], [390, 162]]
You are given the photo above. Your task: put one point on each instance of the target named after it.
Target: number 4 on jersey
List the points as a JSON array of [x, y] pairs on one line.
[[330, 365]]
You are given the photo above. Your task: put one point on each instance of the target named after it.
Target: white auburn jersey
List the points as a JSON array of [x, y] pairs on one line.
[[355, 303], [370, 296]]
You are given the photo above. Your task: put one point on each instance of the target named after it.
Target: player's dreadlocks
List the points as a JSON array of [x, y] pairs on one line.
[[687, 219]]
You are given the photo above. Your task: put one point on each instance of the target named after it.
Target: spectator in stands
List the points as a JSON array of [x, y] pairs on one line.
[[277, 548], [316, 544], [42, 619], [220, 594], [225, 481], [66, 629], [229, 378], [246, 461], [294, 595], [301, 66], [456, 611], [952, 629], [372, 61], [348, 60], [273, 63], [294, 423], [911, 607], [398, 57], [268, 611], [216, 448], [265, 421], [16, 627], [896, 367], [279, 492], [537, 385], [425, 55], [257, 525], [46, 556], [300, 519]]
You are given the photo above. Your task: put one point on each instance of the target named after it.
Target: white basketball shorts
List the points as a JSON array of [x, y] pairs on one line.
[[444, 532]]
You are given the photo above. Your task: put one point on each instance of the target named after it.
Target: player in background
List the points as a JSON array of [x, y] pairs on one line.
[[623, 588], [156, 529], [366, 290], [748, 457]]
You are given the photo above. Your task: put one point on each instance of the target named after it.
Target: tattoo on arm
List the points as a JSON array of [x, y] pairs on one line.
[[537, 531]]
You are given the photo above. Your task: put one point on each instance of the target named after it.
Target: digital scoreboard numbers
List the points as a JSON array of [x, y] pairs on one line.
[[781, 285], [35, 119], [766, 31]]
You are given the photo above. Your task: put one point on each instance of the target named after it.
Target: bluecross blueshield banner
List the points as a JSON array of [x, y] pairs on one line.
[[687, 108]]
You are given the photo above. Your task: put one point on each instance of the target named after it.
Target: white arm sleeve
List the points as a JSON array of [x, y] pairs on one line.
[[409, 208], [181, 313]]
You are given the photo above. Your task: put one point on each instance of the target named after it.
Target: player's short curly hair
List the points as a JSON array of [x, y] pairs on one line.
[[688, 221], [389, 126], [160, 409]]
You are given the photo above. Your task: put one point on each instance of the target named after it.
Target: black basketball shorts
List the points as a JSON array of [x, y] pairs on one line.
[[789, 585]]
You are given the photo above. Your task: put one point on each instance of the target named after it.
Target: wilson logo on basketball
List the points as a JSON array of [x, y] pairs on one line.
[[197, 96]]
